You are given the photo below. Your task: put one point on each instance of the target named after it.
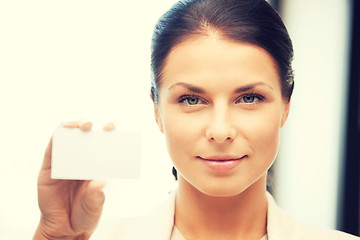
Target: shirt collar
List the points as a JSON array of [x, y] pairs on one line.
[[158, 224]]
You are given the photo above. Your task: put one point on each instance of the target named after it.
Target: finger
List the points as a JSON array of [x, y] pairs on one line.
[[109, 126], [70, 124], [85, 125]]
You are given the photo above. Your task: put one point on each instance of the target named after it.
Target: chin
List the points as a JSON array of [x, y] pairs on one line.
[[221, 194], [222, 191], [226, 187]]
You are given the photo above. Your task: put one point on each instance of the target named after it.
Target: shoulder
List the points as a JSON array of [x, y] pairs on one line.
[[158, 224], [282, 225]]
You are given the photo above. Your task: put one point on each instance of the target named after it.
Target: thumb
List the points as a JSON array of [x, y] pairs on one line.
[[94, 195], [90, 209]]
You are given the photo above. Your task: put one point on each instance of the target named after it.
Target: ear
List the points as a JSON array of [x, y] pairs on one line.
[[285, 113], [157, 115]]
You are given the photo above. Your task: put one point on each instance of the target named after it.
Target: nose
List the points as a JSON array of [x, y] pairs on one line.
[[220, 128]]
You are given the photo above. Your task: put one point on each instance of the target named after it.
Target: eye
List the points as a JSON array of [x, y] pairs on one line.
[[250, 98], [191, 100]]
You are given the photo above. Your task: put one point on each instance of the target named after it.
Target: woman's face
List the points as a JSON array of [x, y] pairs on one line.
[[221, 110]]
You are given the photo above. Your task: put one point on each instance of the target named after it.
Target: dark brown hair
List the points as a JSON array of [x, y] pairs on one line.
[[247, 21]]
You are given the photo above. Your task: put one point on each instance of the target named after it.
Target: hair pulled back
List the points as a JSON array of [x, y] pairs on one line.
[[247, 21]]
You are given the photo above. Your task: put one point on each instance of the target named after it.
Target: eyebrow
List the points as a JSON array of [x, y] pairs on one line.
[[237, 90], [251, 86], [189, 87]]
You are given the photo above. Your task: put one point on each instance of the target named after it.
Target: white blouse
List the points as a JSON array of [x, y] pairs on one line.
[[159, 225]]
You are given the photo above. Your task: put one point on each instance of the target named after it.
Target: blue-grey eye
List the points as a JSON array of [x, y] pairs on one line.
[[192, 100], [250, 99]]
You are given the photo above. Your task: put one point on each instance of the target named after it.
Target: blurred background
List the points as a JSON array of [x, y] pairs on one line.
[[70, 60]]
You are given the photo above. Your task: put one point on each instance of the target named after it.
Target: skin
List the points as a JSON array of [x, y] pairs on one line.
[[235, 110], [70, 209], [221, 99]]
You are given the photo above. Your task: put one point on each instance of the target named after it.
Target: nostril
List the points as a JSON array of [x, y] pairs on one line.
[[220, 135], [221, 140]]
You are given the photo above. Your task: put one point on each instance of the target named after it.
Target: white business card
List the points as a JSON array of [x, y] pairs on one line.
[[95, 154]]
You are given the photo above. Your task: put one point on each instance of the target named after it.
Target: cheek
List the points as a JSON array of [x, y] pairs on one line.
[[263, 133], [182, 133]]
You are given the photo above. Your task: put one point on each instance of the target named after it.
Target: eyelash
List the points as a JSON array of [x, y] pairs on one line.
[[251, 94], [184, 98]]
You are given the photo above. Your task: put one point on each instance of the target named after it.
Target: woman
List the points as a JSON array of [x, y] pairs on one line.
[[221, 87]]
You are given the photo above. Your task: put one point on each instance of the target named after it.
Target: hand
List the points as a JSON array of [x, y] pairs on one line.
[[70, 209]]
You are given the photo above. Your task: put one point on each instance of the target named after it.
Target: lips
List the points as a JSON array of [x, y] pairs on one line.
[[222, 163], [222, 158]]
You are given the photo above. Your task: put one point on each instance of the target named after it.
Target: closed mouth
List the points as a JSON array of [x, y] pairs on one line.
[[222, 158]]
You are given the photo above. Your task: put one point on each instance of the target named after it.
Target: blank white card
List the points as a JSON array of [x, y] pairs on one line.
[[95, 154]]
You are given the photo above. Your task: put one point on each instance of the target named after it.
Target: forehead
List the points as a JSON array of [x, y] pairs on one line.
[[210, 59]]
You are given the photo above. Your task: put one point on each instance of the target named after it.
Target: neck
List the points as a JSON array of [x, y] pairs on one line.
[[200, 216]]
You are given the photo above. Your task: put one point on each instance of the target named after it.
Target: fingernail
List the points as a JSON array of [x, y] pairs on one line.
[[109, 126], [86, 126]]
